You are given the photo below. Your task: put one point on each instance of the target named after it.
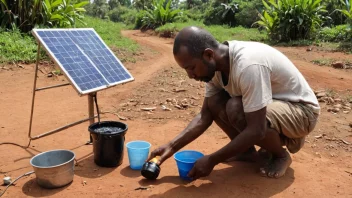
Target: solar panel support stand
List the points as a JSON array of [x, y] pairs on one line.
[[91, 117]]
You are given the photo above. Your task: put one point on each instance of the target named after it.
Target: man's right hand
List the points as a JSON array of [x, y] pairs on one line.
[[164, 151]]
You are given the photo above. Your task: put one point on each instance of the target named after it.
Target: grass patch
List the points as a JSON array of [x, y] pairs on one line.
[[17, 47], [329, 61], [323, 61], [221, 33]]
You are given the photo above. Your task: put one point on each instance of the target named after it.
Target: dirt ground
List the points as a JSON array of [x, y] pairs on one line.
[[323, 168]]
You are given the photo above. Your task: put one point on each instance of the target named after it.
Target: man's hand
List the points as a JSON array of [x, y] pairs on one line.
[[164, 152], [201, 168]]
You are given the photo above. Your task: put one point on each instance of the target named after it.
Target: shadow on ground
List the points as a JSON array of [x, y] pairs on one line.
[[32, 189], [85, 167], [240, 180]]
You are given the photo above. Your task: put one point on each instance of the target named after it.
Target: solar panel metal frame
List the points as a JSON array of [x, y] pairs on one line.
[[77, 88]]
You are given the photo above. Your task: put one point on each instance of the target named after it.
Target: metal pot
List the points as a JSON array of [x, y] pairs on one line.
[[54, 168]]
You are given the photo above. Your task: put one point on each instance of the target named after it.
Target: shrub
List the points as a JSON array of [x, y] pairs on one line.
[[123, 14], [288, 20], [52, 13], [335, 18], [333, 34], [219, 13], [247, 13], [347, 12], [160, 14]]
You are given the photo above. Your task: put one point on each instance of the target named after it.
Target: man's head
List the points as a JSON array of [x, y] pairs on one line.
[[194, 51]]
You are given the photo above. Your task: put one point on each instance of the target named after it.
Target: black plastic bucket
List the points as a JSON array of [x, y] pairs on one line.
[[108, 142]]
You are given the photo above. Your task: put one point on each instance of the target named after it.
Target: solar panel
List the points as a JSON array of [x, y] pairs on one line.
[[84, 58]]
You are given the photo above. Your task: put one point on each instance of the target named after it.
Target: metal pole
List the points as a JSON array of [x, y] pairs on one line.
[[54, 86], [34, 87], [91, 112], [61, 128]]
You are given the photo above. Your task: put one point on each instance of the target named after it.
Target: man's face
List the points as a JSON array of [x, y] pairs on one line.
[[199, 69]]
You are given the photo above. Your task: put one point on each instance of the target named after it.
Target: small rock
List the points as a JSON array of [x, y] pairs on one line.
[[337, 105], [338, 100], [124, 105], [165, 108], [168, 100], [321, 94], [338, 65], [335, 110], [178, 106], [331, 100], [50, 75], [321, 100], [350, 124], [345, 112], [347, 108], [121, 185]]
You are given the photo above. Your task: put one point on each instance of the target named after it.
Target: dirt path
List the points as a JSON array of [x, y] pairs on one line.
[[319, 170]]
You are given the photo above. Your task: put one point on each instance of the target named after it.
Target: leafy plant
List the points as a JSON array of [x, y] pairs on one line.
[[292, 19], [247, 13], [26, 14], [159, 14], [220, 14], [61, 13], [347, 12]]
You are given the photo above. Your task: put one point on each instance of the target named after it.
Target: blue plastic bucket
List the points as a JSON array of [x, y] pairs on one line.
[[185, 161]]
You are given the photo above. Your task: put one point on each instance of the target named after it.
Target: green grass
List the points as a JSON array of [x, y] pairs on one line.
[[22, 48], [221, 33], [17, 47], [323, 61]]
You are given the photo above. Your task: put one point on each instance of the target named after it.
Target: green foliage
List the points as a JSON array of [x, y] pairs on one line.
[[292, 19], [99, 8], [159, 14], [247, 13], [61, 13], [347, 12], [220, 32], [17, 47], [333, 34], [336, 18], [219, 13], [142, 4], [26, 14], [123, 14], [194, 14]]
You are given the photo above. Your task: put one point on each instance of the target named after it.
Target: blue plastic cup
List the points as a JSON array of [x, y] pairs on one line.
[[138, 152], [185, 161]]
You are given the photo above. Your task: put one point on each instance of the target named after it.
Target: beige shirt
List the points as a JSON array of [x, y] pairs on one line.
[[260, 73]]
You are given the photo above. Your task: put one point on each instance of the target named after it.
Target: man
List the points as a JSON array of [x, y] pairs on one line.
[[253, 93]]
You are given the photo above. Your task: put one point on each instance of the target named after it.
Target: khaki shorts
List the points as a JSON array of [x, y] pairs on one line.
[[293, 121]]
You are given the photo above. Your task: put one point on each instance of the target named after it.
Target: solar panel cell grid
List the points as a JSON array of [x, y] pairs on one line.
[[84, 58]]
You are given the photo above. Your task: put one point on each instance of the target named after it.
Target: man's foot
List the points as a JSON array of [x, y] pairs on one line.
[[251, 155], [277, 166]]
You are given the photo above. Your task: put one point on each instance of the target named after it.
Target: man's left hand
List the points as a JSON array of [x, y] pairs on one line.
[[201, 168]]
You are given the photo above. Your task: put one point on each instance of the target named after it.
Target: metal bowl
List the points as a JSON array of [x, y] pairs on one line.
[[54, 168]]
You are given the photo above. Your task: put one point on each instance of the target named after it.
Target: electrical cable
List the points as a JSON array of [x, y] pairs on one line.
[[96, 105], [26, 174]]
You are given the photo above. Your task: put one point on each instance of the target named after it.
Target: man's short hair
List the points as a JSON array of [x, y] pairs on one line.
[[196, 42]]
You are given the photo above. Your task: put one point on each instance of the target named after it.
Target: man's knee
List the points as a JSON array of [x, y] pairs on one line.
[[235, 113]]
